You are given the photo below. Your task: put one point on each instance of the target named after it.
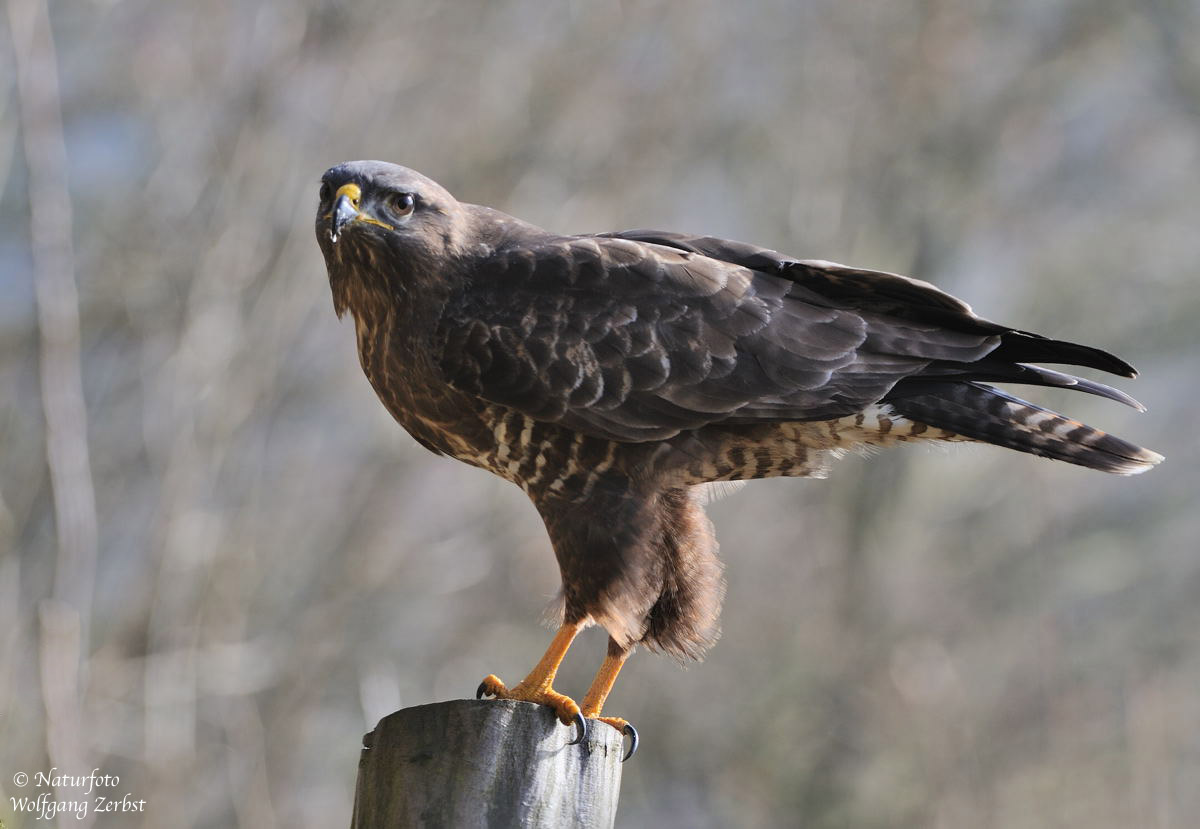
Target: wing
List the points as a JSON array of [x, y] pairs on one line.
[[639, 336], [887, 294]]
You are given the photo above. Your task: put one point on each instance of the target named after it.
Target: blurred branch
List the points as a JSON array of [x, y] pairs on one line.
[[65, 619], [57, 304]]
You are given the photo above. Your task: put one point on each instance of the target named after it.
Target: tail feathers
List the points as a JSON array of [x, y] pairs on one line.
[[985, 413]]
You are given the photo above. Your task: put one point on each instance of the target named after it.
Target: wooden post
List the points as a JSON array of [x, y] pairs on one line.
[[485, 763]]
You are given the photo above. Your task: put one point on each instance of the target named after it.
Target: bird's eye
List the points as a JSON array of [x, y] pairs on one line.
[[403, 204], [326, 191]]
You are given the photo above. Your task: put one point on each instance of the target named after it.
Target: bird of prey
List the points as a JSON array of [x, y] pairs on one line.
[[609, 375]]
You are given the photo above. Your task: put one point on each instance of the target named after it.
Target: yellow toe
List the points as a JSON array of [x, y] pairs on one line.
[[616, 722], [565, 708]]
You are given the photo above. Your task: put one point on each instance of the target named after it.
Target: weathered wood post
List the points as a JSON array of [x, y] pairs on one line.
[[485, 763]]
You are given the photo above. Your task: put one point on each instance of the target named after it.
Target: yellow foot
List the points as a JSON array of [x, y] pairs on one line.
[[624, 727], [563, 706]]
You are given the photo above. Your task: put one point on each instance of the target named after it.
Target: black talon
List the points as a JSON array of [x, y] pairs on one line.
[[582, 726], [481, 690], [633, 741]]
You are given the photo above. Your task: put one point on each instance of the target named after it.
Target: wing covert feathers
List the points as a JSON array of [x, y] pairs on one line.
[[642, 335]]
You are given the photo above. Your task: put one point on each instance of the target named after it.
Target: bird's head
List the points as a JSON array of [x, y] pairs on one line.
[[383, 227]]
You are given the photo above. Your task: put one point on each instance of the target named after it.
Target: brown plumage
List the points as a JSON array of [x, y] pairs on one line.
[[609, 374]]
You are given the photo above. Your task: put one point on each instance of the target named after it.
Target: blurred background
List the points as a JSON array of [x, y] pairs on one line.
[[221, 562]]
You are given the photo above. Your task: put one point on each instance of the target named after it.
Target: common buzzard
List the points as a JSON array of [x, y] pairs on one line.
[[609, 374]]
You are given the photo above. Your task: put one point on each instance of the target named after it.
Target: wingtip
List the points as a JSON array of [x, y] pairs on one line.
[[1122, 368], [1115, 365], [1119, 367]]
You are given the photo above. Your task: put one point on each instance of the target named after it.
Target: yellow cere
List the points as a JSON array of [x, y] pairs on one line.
[[351, 190]]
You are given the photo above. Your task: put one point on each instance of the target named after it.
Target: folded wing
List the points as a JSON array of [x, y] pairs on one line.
[[640, 335]]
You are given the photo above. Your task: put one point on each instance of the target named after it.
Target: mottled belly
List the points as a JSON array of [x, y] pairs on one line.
[[545, 459]]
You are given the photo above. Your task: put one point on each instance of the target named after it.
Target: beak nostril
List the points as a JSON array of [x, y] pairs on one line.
[[351, 191]]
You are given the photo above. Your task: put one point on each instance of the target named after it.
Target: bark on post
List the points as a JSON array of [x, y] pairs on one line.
[[485, 763]]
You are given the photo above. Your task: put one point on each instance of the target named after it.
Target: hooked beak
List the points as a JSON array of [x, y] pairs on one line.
[[345, 209]]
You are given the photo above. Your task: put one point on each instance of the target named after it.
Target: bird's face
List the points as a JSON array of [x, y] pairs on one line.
[[380, 226]]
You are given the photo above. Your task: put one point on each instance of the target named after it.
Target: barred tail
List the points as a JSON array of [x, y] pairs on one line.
[[982, 412]]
